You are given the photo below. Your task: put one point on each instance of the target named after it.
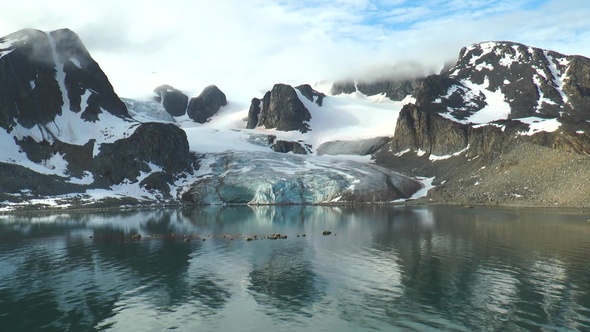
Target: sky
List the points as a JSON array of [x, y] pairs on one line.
[[246, 46]]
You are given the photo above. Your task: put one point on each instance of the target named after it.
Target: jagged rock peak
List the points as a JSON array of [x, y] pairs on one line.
[[174, 101], [282, 109], [513, 79], [311, 94], [202, 108], [47, 74]]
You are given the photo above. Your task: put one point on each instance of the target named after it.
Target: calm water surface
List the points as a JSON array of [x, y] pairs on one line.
[[383, 269]]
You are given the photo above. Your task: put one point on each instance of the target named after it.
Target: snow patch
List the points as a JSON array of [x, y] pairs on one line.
[[426, 186], [76, 62], [87, 179], [484, 65], [497, 107], [558, 77], [401, 153], [537, 125], [437, 158]]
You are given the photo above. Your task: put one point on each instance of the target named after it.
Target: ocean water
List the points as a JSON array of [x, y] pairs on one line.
[[381, 268]]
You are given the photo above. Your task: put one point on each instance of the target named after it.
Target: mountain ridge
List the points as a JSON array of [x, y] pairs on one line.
[[78, 136]]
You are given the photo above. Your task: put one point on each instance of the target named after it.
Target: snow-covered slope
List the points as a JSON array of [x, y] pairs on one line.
[[54, 93], [495, 81], [238, 165], [345, 117]]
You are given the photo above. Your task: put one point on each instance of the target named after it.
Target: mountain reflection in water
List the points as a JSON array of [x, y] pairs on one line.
[[382, 268]]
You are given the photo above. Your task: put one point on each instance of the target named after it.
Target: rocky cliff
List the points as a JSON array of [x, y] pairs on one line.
[[282, 109]]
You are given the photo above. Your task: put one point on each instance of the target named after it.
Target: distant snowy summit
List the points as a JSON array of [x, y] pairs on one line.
[[65, 131]]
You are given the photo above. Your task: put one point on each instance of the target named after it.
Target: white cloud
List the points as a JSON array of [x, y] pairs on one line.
[[246, 46]]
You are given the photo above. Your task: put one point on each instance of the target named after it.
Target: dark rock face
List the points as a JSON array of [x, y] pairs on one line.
[[454, 103], [346, 87], [158, 181], [173, 100], [163, 145], [253, 113], [282, 109], [421, 129], [44, 75], [22, 178], [289, 146], [428, 131], [207, 104], [311, 94], [394, 89]]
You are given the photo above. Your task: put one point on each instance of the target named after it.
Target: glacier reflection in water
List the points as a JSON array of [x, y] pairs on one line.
[[382, 268]]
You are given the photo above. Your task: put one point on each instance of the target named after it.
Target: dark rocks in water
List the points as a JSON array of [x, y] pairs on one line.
[[277, 236], [38, 86], [174, 101], [311, 94], [289, 146], [161, 144], [282, 109], [202, 108], [324, 233], [253, 113]]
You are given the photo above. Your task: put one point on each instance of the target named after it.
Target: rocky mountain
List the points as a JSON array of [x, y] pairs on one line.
[[281, 108], [498, 97], [497, 93], [61, 119], [474, 132]]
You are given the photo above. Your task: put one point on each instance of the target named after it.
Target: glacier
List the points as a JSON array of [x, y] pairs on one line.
[[241, 177]]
